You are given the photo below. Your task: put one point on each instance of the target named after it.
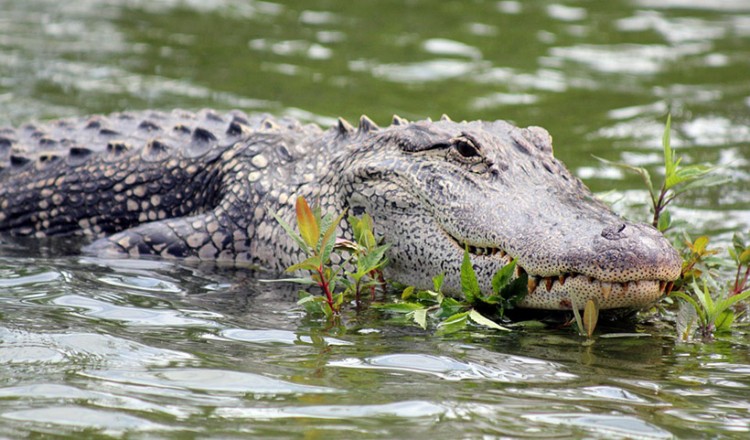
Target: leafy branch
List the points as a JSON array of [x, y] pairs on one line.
[[317, 240], [678, 179], [453, 314]]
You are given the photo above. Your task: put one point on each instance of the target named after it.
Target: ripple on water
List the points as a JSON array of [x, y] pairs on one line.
[[419, 72], [110, 423], [720, 418], [610, 394], [500, 368], [133, 316], [46, 393], [611, 425], [407, 410], [144, 283], [629, 58], [444, 46], [29, 280], [271, 336], [81, 349], [207, 380]]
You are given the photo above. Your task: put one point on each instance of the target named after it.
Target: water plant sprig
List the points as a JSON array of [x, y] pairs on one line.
[[714, 315], [712, 304], [453, 314], [678, 179], [318, 241]]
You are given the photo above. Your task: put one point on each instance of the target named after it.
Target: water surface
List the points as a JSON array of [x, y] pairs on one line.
[[152, 349]]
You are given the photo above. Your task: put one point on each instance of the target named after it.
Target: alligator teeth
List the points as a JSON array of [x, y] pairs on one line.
[[503, 253], [519, 271], [662, 284], [531, 284], [606, 289], [548, 283], [625, 287], [561, 279]]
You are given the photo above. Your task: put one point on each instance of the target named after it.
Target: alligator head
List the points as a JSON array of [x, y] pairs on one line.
[[437, 188]]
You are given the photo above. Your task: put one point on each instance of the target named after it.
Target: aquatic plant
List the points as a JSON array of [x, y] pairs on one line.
[[712, 303], [454, 314], [678, 179], [362, 260], [317, 239]]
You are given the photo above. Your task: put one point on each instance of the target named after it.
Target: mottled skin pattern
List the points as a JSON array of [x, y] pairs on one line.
[[201, 186]]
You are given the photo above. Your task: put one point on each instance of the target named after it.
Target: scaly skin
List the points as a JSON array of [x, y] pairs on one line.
[[203, 187]]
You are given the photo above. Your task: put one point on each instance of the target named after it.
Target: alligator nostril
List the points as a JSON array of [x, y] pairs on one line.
[[614, 232]]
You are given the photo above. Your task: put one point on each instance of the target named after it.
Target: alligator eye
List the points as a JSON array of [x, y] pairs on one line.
[[466, 148]]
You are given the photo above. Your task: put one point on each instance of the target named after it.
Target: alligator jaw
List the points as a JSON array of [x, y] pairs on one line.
[[566, 290]]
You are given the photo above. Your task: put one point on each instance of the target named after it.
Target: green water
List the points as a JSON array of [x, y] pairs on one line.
[[96, 348]]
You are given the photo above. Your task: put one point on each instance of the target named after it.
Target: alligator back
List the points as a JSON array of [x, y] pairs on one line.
[[103, 174]]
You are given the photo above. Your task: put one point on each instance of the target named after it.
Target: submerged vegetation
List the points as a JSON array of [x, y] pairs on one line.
[[708, 302]]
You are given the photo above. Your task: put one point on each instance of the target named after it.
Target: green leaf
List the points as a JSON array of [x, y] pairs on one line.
[[469, 283], [292, 233], [420, 317], [309, 298], [744, 257], [738, 241], [704, 297], [408, 292], [669, 165], [328, 241], [450, 306], [492, 299], [363, 230], [399, 307], [700, 243], [372, 260], [724, 321], [732, 300], [690, 300], [453, 323], [590, 316], [291, 280], [326, 222], [307, 223], [645, 175], [338, 300], [665, 221], [313, 304], [704, 181], [312, 264], [503, 277], [482, 320], [437, 282], [515, 291], [686, 174]]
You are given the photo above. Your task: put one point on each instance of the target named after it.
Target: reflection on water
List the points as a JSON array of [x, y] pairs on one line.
[[150, 348]]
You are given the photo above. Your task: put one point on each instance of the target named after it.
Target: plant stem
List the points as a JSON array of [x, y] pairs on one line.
[[356, 290], [324, 284], [659, 206], [740, 287]]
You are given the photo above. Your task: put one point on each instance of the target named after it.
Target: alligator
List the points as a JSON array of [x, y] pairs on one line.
[[203, 186]]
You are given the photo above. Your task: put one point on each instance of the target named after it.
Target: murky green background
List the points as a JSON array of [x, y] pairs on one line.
[[153, 350]]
